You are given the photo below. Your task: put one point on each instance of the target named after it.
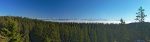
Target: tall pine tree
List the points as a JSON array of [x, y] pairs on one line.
[[140, 15]]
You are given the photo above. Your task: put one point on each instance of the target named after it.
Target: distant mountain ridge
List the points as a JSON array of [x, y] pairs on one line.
[[71, 19], [84, 20]]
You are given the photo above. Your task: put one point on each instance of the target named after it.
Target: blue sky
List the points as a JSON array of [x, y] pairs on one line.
[[75, 9]]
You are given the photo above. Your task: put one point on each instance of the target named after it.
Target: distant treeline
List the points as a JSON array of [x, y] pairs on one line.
[[20, 29]]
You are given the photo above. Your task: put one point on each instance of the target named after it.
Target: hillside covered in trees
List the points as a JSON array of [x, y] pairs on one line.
[[20, 29]]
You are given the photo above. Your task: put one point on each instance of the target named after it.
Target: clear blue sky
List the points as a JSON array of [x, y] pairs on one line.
[[75, 9]]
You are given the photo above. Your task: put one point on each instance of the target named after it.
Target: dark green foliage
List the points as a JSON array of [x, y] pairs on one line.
[[18, 29]]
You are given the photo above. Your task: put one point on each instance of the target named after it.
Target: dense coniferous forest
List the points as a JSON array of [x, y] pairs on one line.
[[20, 29]]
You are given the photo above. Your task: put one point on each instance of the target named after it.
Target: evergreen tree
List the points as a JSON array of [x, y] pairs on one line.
[[140, 15], [122, 21]]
